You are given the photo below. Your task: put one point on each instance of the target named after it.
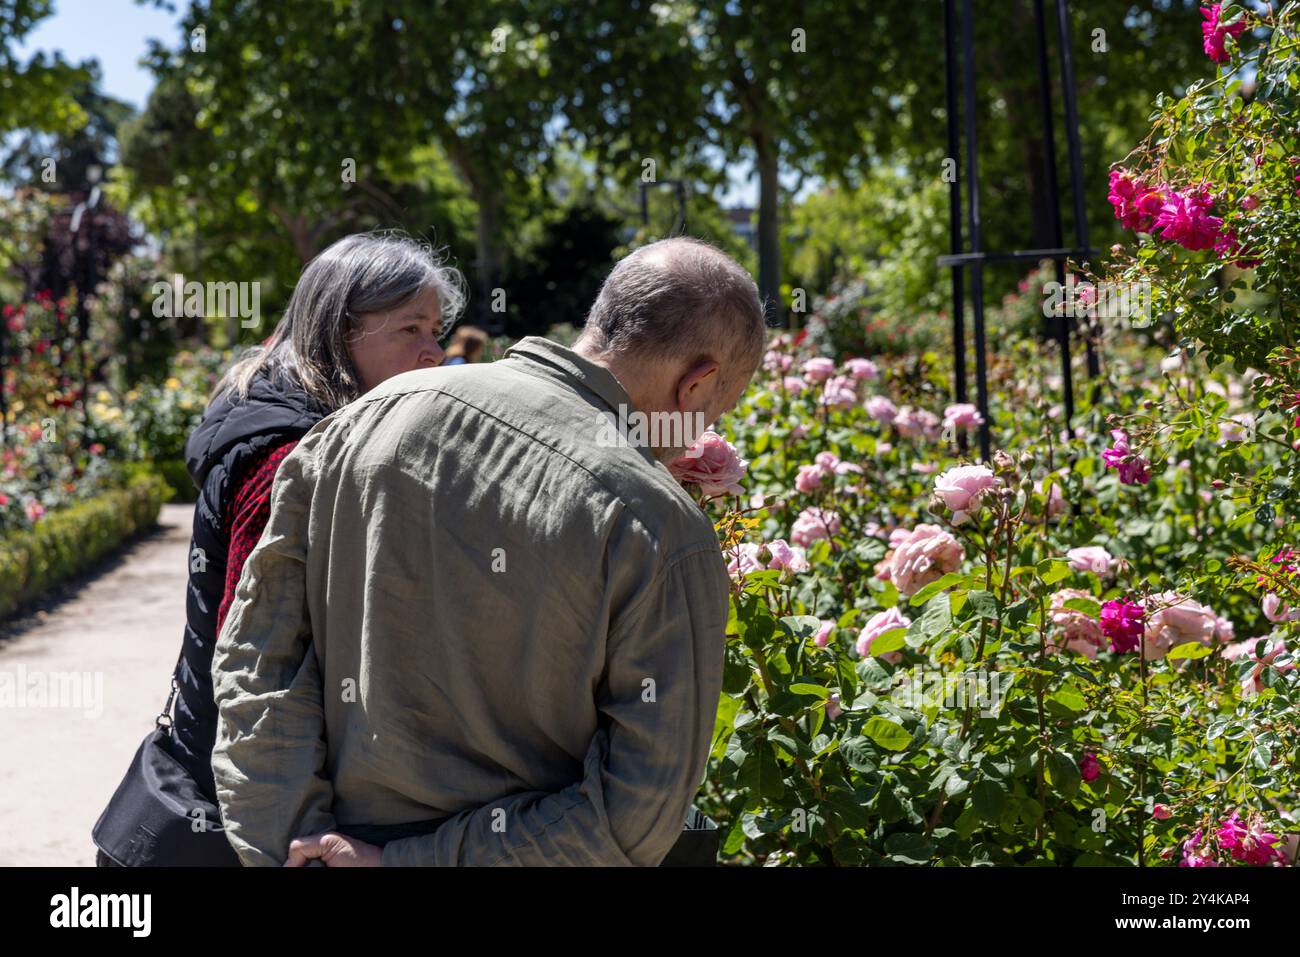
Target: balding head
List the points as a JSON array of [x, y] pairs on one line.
[[679, 300]]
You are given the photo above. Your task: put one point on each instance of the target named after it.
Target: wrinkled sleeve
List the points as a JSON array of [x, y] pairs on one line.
[[644, 764], [269, 758]]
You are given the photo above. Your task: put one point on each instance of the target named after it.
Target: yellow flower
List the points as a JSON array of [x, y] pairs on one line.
[[104, 396], [133, 395], [173, 383]]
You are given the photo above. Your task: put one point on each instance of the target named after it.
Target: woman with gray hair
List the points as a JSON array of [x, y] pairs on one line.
[[369, 307]]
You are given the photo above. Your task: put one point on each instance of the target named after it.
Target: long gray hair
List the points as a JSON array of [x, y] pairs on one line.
[[361, 273]]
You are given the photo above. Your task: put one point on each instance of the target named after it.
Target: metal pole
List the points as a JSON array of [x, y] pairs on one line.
[[4, 402], [1062, 324], [954, 210], [1076, 152], [973, 210]]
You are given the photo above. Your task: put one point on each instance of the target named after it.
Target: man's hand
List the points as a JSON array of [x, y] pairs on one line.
[[333, 850]]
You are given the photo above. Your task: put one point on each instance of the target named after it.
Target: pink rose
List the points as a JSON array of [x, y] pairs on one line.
[[881, 409], [962, 415], [1275, 611], [1091, 558], [925, 556], [713, 464], [809, 478], [876, 626], [742, 559], [819, 369], [776, 362], [1056, 503], [917, 423], [1082, 632], [838, 393], [1180, 621], [823, 635], [1253, 683], [786, 558], [833, 709], [813, 524], [963, 487], [794, 385], [1161, 812], [862, 369]]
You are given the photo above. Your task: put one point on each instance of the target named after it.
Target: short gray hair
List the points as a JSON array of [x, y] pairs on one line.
[[359, 274], [680, 297]]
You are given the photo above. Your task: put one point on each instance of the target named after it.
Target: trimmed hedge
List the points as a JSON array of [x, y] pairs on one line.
[[70, 540]]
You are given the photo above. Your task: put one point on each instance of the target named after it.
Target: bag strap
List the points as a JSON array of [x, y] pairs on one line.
[[164, 719]]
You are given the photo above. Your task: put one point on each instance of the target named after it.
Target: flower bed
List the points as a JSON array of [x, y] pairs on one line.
[[71, 539], [1048, 658]]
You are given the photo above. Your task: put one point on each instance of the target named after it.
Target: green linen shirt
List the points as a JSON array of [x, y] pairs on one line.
[[468, 604]]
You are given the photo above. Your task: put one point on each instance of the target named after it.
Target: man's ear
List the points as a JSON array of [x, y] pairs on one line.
[[696, 387]]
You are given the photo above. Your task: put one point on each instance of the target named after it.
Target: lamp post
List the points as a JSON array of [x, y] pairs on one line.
[[86, 271]]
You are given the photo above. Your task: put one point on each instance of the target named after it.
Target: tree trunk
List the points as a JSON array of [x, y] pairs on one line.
[[769, 234], [489, 259]]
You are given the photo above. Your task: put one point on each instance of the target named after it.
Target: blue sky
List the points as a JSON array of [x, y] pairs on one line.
[[117, 33], [114, 32]]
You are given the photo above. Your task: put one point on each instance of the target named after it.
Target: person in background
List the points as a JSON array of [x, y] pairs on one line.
[[466, 345], [369, 307]]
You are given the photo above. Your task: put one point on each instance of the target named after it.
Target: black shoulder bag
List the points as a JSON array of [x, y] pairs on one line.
[[158, 816]]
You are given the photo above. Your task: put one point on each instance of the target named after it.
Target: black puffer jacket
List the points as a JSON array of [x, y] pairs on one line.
[[229, 437]]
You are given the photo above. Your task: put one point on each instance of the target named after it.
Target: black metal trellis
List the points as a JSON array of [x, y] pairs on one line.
[[975, 258], [679, 190]]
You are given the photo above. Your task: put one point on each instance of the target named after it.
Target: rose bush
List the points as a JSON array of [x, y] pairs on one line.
[[1081, 654]]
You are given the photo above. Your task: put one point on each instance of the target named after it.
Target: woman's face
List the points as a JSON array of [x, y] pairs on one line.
[[388, 343]]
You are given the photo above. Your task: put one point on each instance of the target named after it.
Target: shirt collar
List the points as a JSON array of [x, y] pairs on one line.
[[561, 363]]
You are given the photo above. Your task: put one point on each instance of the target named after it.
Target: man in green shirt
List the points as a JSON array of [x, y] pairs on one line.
[[475, 624]]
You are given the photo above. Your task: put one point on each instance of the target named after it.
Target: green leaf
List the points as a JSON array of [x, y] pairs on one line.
[[888, 734], [1056, 569], [1189, 649], [800, 626], [988, 798], [985, 604], [909, 848], [803, 687], [858, 754], [724, 724], [1089, 606], [1070, 699], [891, 640], [932, 589], [1063, 773]]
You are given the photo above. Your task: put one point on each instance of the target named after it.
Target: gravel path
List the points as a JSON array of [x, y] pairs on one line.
[[105, 652]]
